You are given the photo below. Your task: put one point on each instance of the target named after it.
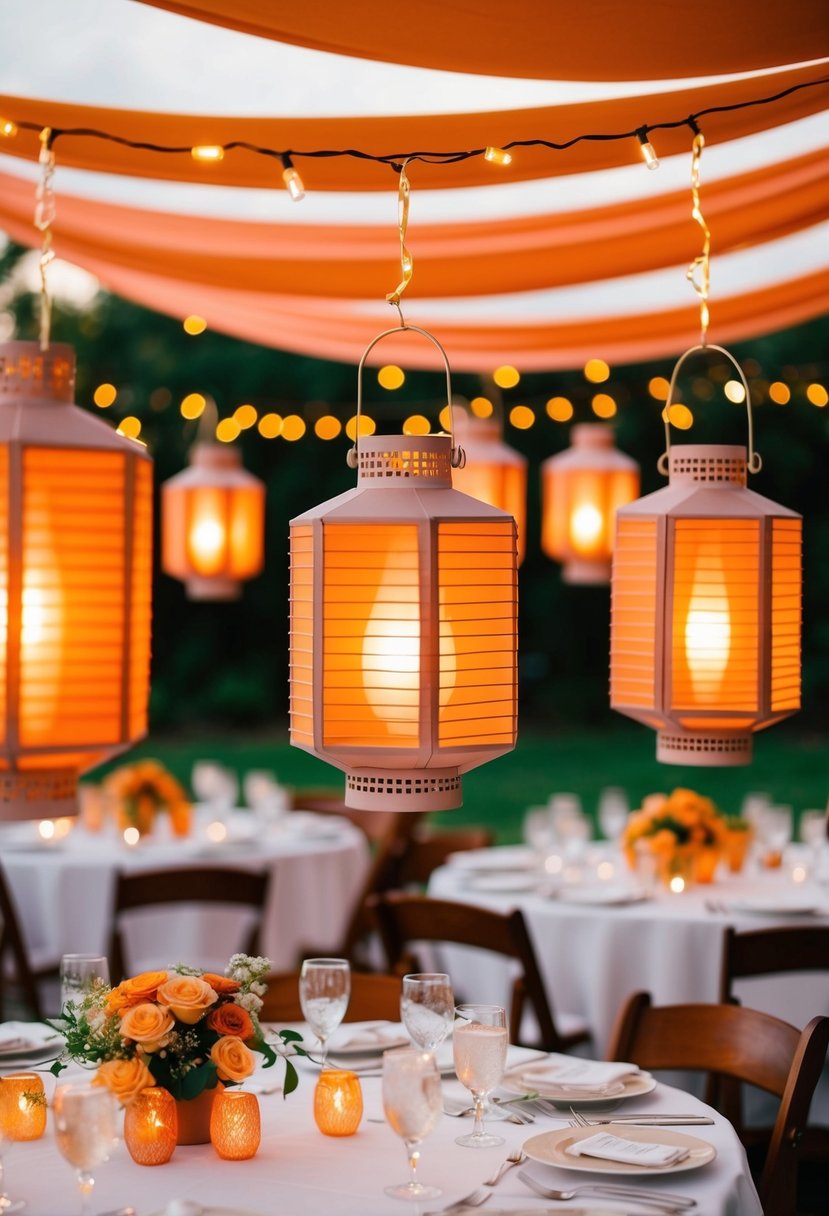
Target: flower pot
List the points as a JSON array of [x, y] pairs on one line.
[[706, 860], [194, 1117]]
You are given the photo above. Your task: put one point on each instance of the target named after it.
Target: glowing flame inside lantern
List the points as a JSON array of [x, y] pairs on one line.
[[586, 527], [207, 543], [708, 631]]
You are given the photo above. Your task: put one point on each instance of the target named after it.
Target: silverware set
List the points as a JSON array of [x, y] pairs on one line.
[[641, 1120]]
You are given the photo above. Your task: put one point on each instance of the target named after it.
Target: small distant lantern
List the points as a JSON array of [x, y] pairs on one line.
[[213, 523], [494, 472], [706, 608], [75, 585], [582, 489], [403, 625]]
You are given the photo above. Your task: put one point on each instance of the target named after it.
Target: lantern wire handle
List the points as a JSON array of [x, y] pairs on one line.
[[702, 262], [755, 461], [406, 260], [43, 219], [458, 454]]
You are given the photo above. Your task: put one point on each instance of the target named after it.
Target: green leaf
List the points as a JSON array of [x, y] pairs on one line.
[[291, 1079], [57, 1068], [197, 1080]]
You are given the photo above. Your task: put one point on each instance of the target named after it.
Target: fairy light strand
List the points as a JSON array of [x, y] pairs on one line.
[[698, 273], [397, 159]]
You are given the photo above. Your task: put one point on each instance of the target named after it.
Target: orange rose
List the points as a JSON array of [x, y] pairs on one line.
[[233, 1060], [231, 1019], [220, 983], [147, 1024], [124, 1078], [187, 997], [135, 991]]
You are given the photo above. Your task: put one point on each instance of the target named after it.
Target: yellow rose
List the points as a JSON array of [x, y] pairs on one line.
[[233, 1060], [148, 1025], [124, 1078], [187, 997]]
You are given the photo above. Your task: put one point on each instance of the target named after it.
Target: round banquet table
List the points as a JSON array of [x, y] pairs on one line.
[[300, 1172], [64, 890]]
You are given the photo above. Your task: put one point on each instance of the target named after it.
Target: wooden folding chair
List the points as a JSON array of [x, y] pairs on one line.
[[743, 1044], [427, 848], [23, 973], [197, 886], [406, 919], [372, 997]]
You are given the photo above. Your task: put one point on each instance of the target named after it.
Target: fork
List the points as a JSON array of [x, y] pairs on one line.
[[580, 1120], [474, 1200], [516, 1157], [658, 1199]]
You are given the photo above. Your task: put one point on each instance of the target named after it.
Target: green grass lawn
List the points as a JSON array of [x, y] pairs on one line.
[[793, 769]]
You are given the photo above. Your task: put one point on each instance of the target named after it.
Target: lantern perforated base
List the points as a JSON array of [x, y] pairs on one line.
[[41, 794], [213, 589], [586, 573], [417, 789], [710, 749]]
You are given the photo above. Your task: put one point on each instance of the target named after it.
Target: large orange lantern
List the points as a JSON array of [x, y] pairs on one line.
[[706, 608], [403, 626], [213, 523], [582, 489], [494, 472], [75, 585]]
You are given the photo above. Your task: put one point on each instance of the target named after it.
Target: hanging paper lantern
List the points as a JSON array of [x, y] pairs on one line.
[[706, 609], [213, 523], [494, 472], [582, 488], [75, 585], [404, 623]]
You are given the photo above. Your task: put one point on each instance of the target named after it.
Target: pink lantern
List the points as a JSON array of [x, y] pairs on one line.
[[494, 472]]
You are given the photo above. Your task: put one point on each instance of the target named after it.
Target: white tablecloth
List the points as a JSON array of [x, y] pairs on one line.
[[299, 1172], [64, 892]]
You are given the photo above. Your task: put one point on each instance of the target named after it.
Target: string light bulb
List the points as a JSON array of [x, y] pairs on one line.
[[8, 129], [497, 156], [648, 152], [207, 152], [292, 180]]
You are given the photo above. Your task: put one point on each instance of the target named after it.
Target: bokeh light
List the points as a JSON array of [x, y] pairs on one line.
[[780, 393], [391, 376], [816, 393], [246, 416], [227, 430], [560, 409], [270, 425], [416, 424], [596, 371], [522, 417], [194, 325], [658, 388], [293, 427], [735, 392], [506, 376], [481, 407], [130, 426], [367, 426], [104, 396], [327, 427], [603, 405], [192, 406]]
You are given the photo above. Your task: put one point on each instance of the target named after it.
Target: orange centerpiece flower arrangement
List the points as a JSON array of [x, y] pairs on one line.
[[683, 832], [143, 789], [183, 1030]]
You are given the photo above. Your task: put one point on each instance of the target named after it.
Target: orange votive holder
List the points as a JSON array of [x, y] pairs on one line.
[[151, 1126], [235, 1128], [22, 1106], [338, 1102]]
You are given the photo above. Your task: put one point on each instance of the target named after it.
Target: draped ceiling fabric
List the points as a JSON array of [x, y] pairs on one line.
[[306, 287], [592, 40]]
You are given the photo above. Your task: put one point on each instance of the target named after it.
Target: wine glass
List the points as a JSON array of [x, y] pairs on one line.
[[427, 1007], [6, 1204], [613, 812], [412, 1105], [86, 1130], [479, 1042], [80, 974], [324, 989]]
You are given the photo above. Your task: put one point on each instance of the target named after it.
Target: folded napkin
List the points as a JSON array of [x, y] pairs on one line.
[[368, 1037], [630, 1152], [576, 1076], [24, 1036]]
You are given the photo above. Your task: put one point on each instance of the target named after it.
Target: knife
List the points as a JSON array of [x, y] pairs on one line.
[[655, 1120]]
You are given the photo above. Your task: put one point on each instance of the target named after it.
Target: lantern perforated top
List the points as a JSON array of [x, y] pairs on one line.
[[706, 609], [75, 573], [403, 629]]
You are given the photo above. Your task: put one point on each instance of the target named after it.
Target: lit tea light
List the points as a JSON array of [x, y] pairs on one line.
[[151, 1126], [235, 1127], [338, 1102], [554, 864], [605, 870], [799, 873], [22, 1106], [677, 884], [46, 829], [131, 837], [216, 831], [63, 826]]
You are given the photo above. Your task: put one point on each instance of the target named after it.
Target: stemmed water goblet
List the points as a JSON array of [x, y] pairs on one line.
[[86, 1130], [412, 1105], [324, 990], [427, 1007], [479, 1042], [6, 1203]]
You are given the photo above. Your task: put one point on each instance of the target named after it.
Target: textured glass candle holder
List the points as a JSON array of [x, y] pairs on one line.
[[338, 1102], [151, 1126], [22, 1106], [235, 1127]]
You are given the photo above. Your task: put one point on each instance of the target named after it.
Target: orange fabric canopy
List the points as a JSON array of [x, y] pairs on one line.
[[339, 329], [593, 40], [451, 259], [398, 135]]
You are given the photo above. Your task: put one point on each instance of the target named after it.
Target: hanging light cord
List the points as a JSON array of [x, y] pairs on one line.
[[406, 260], [699, 272], [43, 219], [397, 159]]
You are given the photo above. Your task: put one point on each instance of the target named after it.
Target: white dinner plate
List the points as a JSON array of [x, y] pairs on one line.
[[632, 1087], [774, 905], [507, 857], [503, 884], [605, 895], [550, 1148], [41, 1042]]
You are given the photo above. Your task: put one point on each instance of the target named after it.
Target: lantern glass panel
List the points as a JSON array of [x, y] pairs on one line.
[[206, 535], [785, 614], [302, 635], [246, 532]]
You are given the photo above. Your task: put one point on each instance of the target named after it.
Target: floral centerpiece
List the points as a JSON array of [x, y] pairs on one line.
[[682, 831], [141, 790], [183, 1030]]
